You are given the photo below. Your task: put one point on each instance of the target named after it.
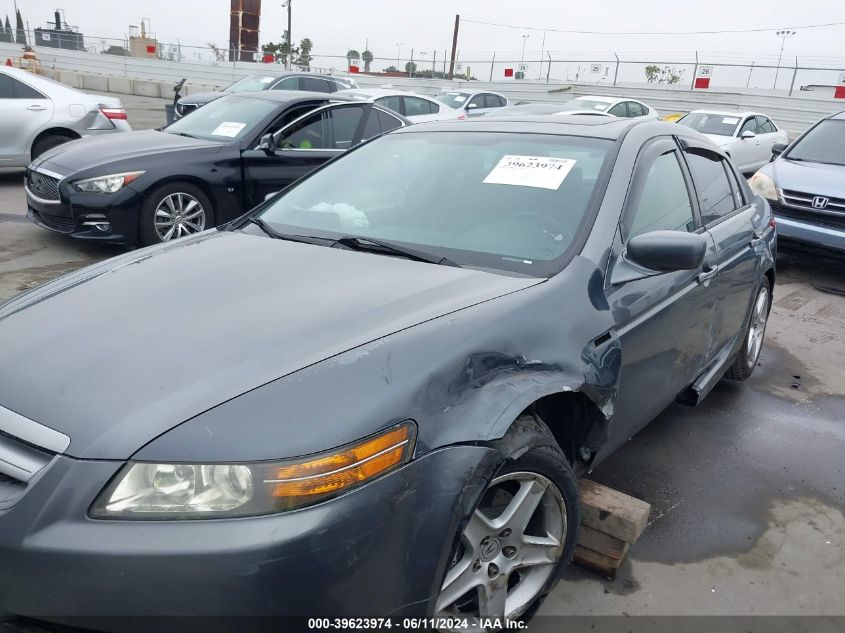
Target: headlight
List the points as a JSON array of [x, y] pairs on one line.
[[107, 184], [763, 185], [208, 491]]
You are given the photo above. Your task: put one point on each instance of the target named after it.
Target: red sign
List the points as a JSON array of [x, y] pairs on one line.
[[151, 49], [9, 61], [839, 92], [508, 72], [268, 58], [354, 69], [702, 83]]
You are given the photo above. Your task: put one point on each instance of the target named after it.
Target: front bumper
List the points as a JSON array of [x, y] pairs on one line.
[[797, 225], [376, 551], [110, 218]]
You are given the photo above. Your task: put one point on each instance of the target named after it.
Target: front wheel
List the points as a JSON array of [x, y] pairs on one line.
[[174, 210], [510, 552], [748, 356]]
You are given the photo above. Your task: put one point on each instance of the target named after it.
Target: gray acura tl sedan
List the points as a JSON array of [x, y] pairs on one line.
[[372, 394]]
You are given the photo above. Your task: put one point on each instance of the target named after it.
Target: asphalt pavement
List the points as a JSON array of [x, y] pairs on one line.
[[747, 489]]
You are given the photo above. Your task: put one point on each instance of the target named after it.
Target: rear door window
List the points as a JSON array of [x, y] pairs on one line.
[[619, 110], [315, 85], [391, 103], [634, 109], [492, 101], [415, 106]]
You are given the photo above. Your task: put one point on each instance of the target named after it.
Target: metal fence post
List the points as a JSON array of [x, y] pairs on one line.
[[549, 69], [694, 72], [492, 65], [794, 73], [616, 72]]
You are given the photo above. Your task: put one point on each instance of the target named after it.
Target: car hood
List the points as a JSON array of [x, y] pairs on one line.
[[721, 140], [813, 178], [116, 354], [201, 98], [93, 151]]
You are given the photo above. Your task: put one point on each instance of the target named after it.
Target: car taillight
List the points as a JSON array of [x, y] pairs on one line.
[[116, 114]]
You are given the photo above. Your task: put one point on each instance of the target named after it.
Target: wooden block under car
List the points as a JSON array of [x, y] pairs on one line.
[[612, 512], [610, 522]]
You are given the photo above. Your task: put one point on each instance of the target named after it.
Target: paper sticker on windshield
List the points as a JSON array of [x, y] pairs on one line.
[[458, 98], [229, 129], [729, 120], [599, 106], [530, 171], [266, 80]]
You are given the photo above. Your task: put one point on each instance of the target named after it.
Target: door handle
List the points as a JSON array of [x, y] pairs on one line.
[[759, 237], [707, 274], [36, 108]]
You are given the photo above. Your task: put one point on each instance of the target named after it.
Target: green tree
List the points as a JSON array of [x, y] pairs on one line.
[[666, 75], [303, 59], [116, 50], [367, 56], [20, 36], [6, 31], [351, 55]]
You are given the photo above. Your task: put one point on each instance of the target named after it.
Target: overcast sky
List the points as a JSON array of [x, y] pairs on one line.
[[337, 25]]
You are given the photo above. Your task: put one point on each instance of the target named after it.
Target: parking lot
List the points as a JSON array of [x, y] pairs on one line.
[[747, 490]]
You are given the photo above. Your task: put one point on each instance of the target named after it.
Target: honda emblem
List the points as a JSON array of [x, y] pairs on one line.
[[820, 202]]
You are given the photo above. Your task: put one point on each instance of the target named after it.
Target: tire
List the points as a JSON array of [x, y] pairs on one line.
[[46, 143], [170, 212], [746, 360], [498, 568]]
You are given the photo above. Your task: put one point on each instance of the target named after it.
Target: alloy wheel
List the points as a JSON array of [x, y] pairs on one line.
[[509, 550], [177, 215], [757, 328]]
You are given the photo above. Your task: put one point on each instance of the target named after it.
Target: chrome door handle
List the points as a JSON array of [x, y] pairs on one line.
[[707, 274], [36, 108]]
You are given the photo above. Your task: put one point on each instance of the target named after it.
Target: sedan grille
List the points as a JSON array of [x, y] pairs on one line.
[[813, 202], [42, 186], [56, 223]]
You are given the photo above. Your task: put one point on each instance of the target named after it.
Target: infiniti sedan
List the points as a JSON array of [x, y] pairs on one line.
[[805, 186], [747, 137], [203, 170], [372, 394]]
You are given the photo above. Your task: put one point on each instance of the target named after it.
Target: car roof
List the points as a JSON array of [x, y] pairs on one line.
[[380, 92], [611, 128], [726, 112], [288, 96], [602, 99], [287, 73]]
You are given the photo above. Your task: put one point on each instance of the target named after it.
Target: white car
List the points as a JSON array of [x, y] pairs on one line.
[[541, 109], [414, 107], [747, 137], [614, 106], [38, 114], [473, 103]]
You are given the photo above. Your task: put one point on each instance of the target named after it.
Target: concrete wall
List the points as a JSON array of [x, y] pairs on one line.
[[156, 78]]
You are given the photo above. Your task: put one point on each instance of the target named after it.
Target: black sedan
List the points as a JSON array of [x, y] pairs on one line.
[[153, 186], [373, 394]]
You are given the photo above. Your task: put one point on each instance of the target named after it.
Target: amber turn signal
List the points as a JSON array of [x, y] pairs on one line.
[[310, 480]]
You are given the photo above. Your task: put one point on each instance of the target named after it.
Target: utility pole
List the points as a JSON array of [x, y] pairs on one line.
[[398, 54], [289, 59], [454, 47], [782, 35], [540, 65]]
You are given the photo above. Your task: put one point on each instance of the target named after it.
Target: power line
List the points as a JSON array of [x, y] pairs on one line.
[[578, 32]]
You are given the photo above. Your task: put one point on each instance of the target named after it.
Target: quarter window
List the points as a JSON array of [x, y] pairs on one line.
[[711, 183], [664, 202]]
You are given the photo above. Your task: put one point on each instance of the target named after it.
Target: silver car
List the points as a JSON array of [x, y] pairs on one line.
[[37, 114], [474, 103]]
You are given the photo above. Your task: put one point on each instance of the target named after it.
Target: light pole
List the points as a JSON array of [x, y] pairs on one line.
[[398, 54], [782, 35], [289, 56], [522, 59]]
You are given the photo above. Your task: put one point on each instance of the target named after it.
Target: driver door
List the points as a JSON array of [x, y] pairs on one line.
[[301, 147], [744, 152], [664, 321]]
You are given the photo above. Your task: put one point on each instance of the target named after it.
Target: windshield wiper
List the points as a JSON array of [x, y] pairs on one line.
[[290, 237], [183, 134], [370, 245]]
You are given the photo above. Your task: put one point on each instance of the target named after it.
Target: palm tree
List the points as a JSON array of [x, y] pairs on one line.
[[304, 61], [367, 56], [352, 54]]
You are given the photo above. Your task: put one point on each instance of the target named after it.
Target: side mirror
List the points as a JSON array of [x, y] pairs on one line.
[[472, 106], [267, 144], [747, 135], [270, 195], [666, 251], [778, 149]]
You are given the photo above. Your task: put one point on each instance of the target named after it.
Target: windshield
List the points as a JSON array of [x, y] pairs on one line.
[[224, 119], [824, 143], [586, 104], [253, 83], [453, 99], [489, 200], [711, 123]]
